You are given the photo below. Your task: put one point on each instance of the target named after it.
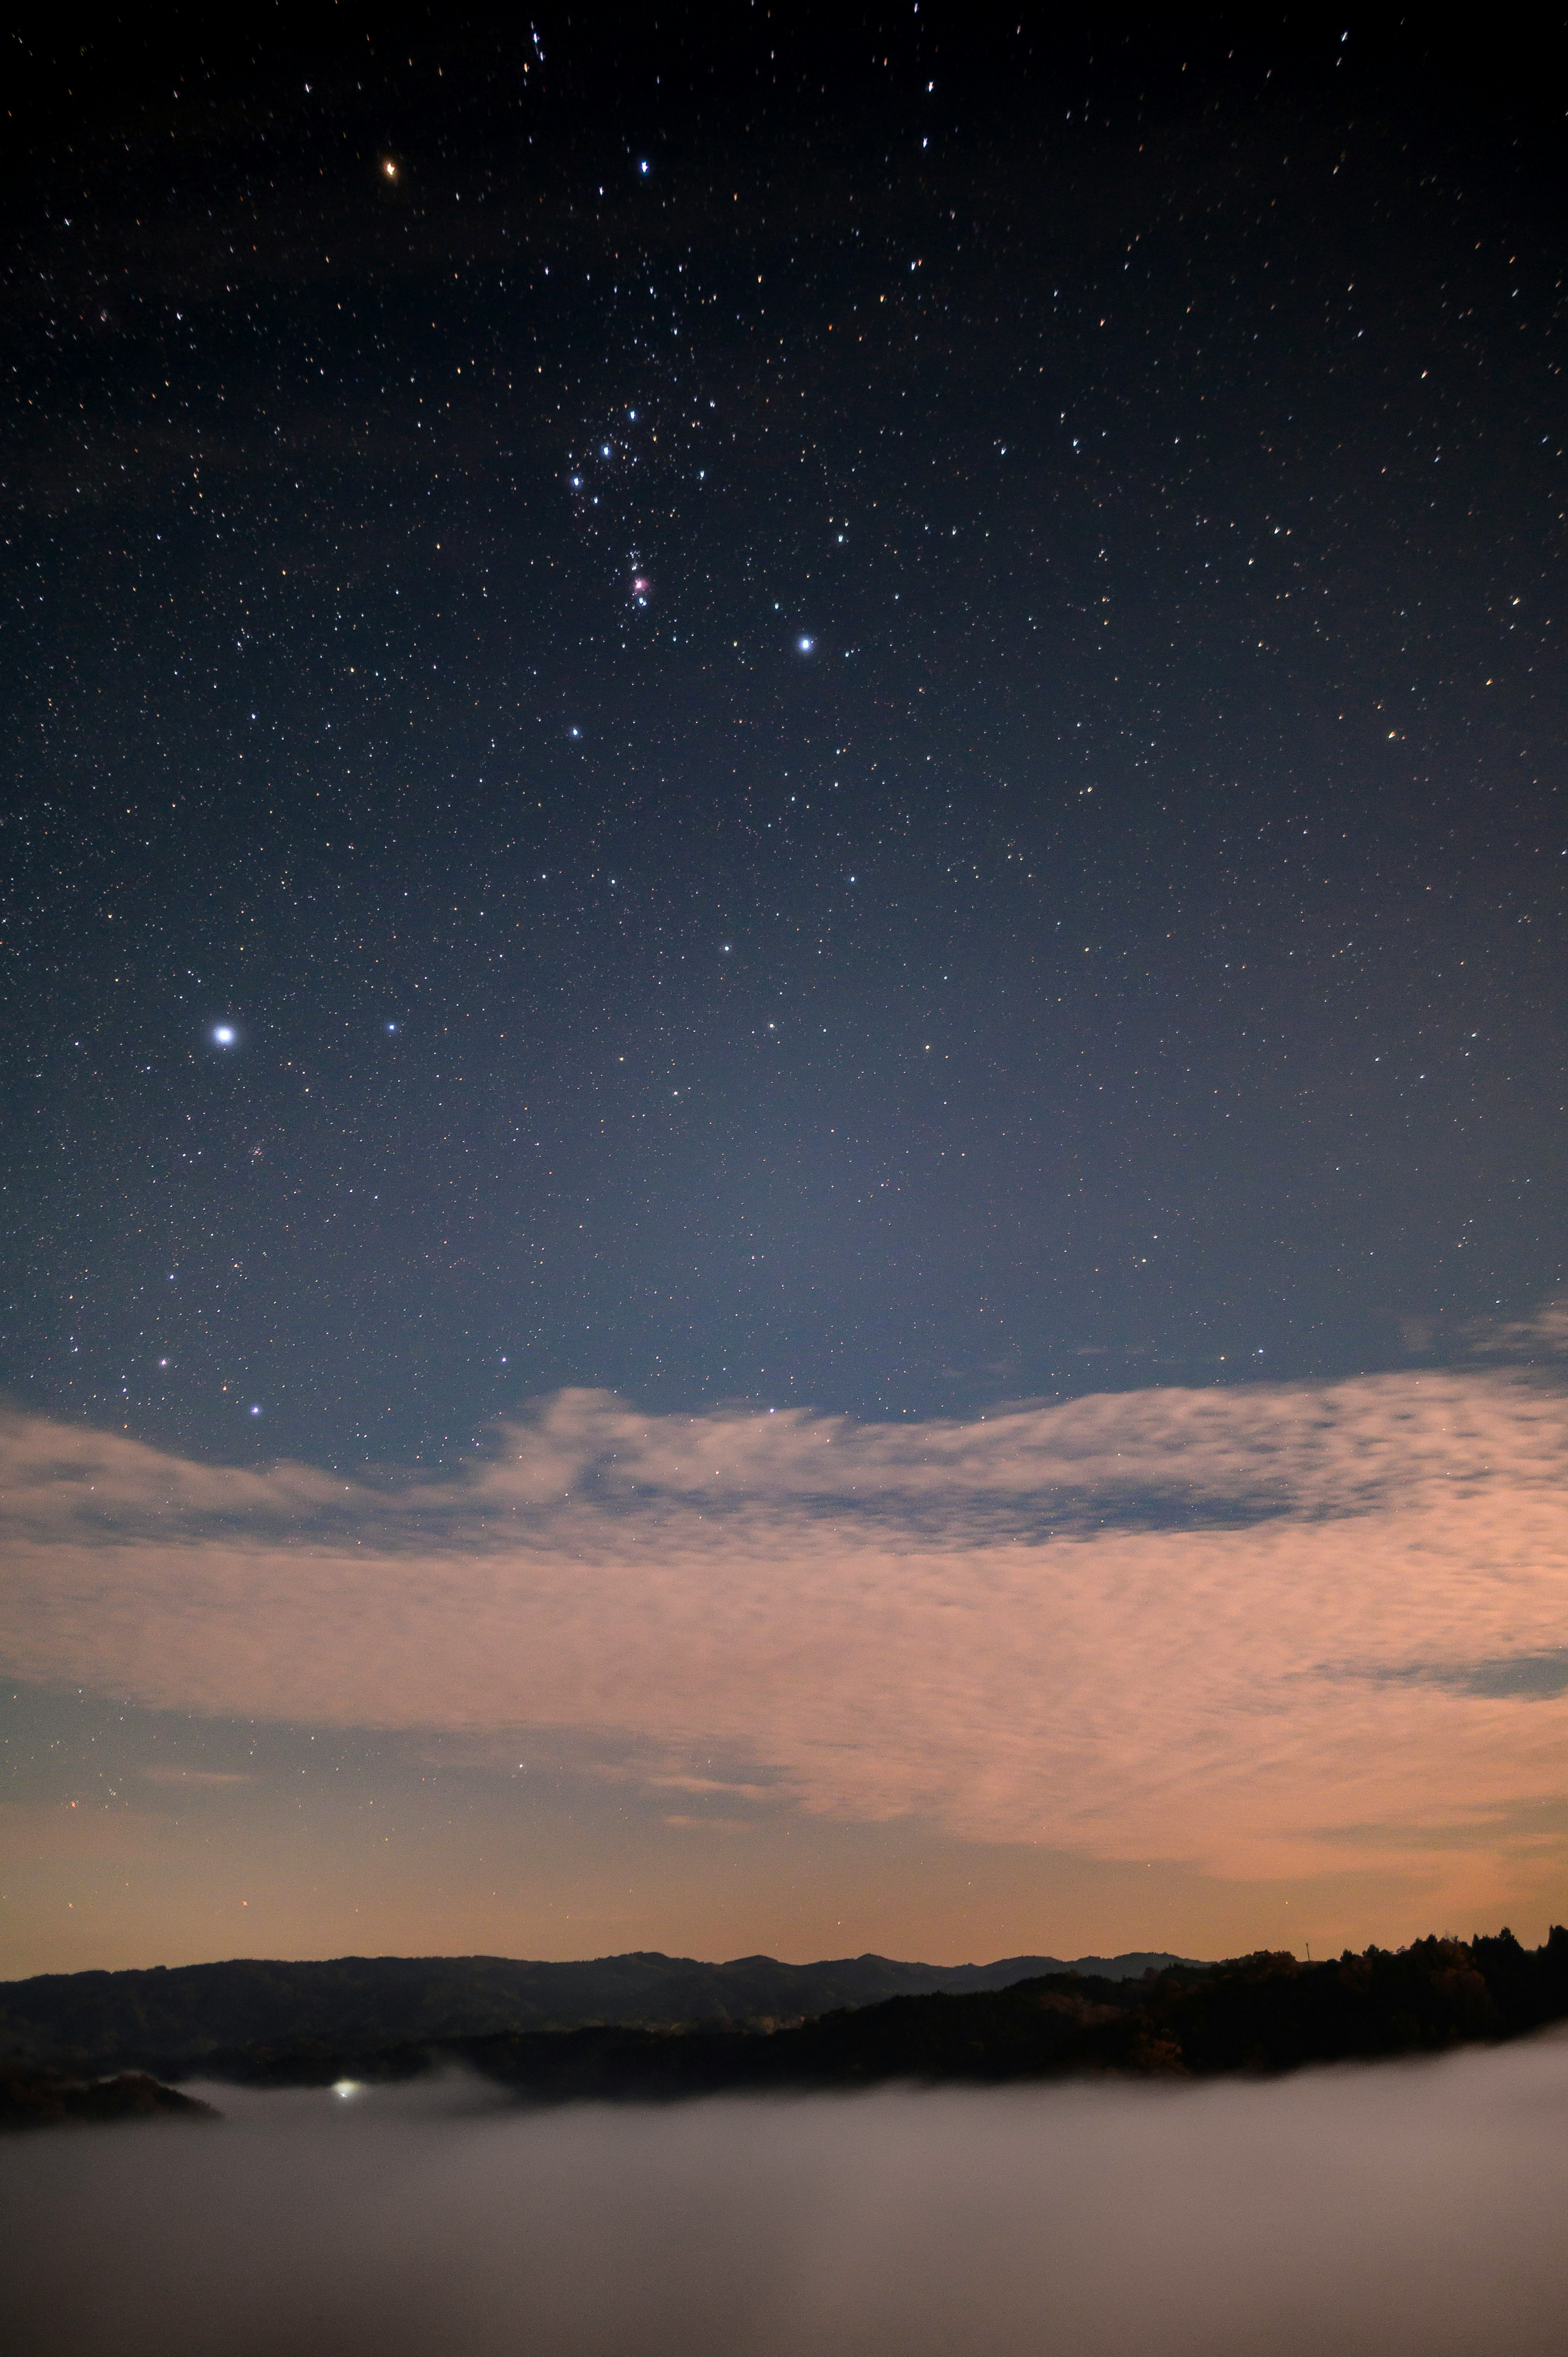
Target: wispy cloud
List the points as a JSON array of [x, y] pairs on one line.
[[1218, 1625], [1541, 1335], [1543, 1675]]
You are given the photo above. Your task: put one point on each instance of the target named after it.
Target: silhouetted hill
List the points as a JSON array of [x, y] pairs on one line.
[[35, 2098], [1258, 2014], [169, 2019]]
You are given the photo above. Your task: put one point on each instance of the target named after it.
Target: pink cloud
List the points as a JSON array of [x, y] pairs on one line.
[[975, 1622]]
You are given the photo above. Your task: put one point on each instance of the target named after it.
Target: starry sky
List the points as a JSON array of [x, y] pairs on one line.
[[743, 732]]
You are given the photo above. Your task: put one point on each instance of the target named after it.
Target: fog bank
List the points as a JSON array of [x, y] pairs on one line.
[[1408, 2208]]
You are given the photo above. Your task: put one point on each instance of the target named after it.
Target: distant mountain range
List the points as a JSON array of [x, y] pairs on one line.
[[302, 2024], [1254, 2015], [170, 2019]]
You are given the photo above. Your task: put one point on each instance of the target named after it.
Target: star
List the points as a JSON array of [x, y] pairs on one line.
[[224, 1035]]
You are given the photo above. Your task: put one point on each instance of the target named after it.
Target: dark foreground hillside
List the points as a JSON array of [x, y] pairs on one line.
[[1257, 2014], [35, 2098], [171, 2019]]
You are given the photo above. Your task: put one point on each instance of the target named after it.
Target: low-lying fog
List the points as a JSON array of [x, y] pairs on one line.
[[1414, 2208]]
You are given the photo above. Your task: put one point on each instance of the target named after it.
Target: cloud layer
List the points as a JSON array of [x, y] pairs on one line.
[[1246, 1628], [1378, 2213]]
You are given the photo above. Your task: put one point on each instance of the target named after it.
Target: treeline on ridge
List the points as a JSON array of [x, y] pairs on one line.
[[174, 2019], [1261, 2014]]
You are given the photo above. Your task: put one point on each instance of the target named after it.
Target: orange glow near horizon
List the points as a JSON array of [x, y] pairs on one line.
[[739, 1682]]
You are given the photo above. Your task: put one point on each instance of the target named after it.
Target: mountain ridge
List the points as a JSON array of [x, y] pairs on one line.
[[1254, 2016], [162, 2016]]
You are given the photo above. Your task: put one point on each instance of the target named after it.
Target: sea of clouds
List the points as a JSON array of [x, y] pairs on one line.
[[1413, 2208]]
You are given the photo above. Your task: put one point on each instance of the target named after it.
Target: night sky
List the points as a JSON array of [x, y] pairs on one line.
[[795, 712]]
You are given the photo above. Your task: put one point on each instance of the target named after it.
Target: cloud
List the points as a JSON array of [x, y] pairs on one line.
[[1128, 1456], [1368, 2212], [1223, 1626], [1543, 1675], [1541, 1335]]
